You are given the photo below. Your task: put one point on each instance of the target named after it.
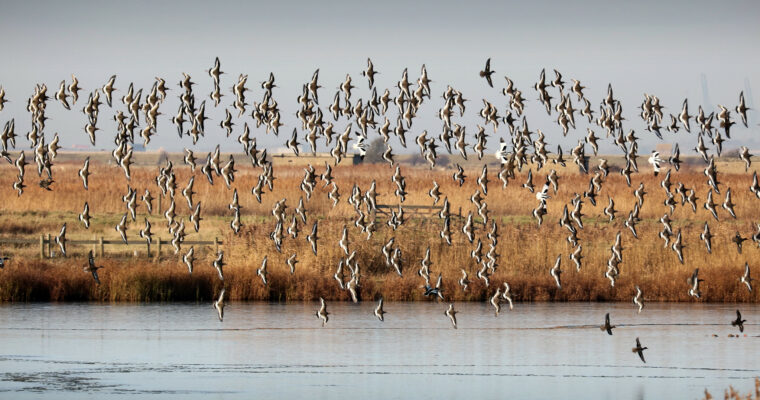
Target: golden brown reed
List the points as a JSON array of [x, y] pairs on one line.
[[732, 394], [526, 250]]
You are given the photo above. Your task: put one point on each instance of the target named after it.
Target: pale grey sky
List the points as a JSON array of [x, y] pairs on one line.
[[659, 47]]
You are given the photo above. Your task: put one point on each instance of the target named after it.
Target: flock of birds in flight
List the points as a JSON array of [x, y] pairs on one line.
[[525, 148]]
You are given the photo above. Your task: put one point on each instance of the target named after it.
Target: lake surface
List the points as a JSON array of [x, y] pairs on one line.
[[281, 351]]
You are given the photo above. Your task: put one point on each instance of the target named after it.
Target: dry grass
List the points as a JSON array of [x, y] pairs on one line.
[[527, 251], [732, 394]]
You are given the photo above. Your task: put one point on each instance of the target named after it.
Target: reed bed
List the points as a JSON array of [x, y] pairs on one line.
[[526, 250], [732, 394]]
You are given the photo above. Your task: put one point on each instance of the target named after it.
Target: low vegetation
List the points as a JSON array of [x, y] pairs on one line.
[[526, 251], [732, 394]]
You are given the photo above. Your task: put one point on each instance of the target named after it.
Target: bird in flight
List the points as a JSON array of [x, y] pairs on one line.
[[607, 326], [639, 350], [487, 72]]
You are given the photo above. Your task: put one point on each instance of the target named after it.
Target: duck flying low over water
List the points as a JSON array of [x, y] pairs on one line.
[[92, 268], [607, 326], [639, 350], [737, 239], [436, 290], [739, 322]]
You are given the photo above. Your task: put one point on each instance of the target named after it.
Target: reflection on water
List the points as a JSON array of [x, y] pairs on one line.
[[281, 351]]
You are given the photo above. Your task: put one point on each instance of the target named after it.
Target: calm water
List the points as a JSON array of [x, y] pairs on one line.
[[280, 351]]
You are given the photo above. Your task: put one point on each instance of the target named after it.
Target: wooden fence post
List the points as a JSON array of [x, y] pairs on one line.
[[147, 247], [216, 245], [158, 249], [94, 244], [102, 247], [42, 246], [49, 245]]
